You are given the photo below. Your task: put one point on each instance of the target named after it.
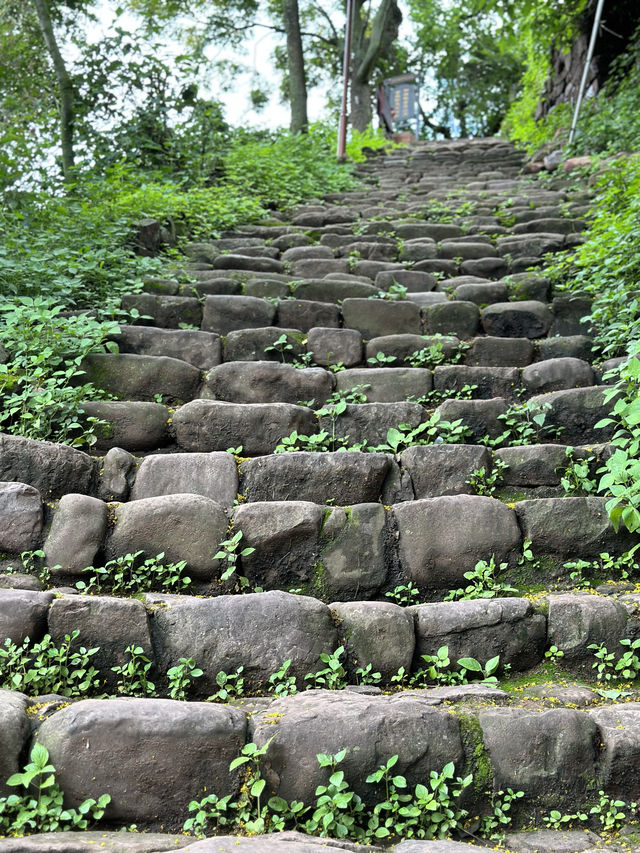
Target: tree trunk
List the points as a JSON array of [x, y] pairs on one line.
[[65, 87], [367, 50], [295, 65]]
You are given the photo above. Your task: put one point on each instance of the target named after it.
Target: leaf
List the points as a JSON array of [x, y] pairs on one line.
[[470, 663]]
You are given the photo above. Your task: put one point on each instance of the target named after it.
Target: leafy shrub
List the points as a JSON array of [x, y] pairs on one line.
[[43, 667]]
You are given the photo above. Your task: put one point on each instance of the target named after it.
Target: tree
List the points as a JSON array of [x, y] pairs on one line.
[[296, 71]]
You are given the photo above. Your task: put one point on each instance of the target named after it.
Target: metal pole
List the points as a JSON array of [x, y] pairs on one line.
[[346, 62], [583, 82]]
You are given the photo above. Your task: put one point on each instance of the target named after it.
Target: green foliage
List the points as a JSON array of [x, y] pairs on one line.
[[281, 683], [281, 346], [40, 808], [180, 677], [485, 482], [230, 555], [130, 574], [625, 668], [432, 431], [525, 423], [609, 815], [575, 479], [332, 676], [230, 685], [394, 293], [493, 825], [438, 669], [483, 582], [404, 594], [43, 667], [133, 675]]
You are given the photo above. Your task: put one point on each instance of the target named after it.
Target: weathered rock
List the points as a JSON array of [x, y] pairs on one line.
[[565, 528], [288, 842], [372, 727], [419, 249], [117, 466], [214, 632], [619, 728], [130, 425], [464, 250], [481, 417], [23, 613], [387, 384], [285, 537], [142, 377], [481, 628], [376, 317], [261, 344], [527, 319], [533, 464], [213, 475], [490, 382], [441, 538], [352, 560], [370, 422], [482, 294], [570, 346], [183, 527], [576, 621], [444, 469], [571, 315], [319, 267], [243, 262], [13, 736], [340, 478], [576, 412], [305, 314], [106, 623], [201, 349], [224, 314], [377, 633], [266, 382], [453, 318], [53, 469], [551, 755], [206, 425], [526, 285], [335, 346], [333, 290], [500, 352], [77, 532], [553, 841], [402, 346], [556, 374], [89, 840], [20, 517], [415, 282], [150, 755]]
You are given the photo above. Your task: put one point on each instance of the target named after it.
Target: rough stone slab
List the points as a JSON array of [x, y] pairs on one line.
[[480, 416], [335, 346], [14, 732], [142, 377], [444, 469], [77, 533], [288, 842], [441, 538], [23, 613], [131, 425], [490, 382], [528, 319], [527, 285], [285, 537], [333, 290], [415, 282], [111, 624], [92, 840], [482, 293], [267, 382], [420, 249], [151, 755], [255, 344], [201, 349], [552, 841], [453, 318], [550, 755], [373, 728], [402, 346], [370, 422], [305, 314], [619, 727], [556, 374], [576, 411], [244, 262], [375, 632], [569, 346], [115, 474], [567, 528], [20, 517], [319, 267], [53, 469], [343, 478], [352, 560], [576, 621], [224, 314], [216, 632], [481, 628], [376, 317], [387, 384], [207, 425], [183, 527], [533, 464], [213, 475]]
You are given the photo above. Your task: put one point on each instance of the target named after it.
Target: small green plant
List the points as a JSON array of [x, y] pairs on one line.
[[43, 667], [251, 756], [485, 482], [438, 669], [282, 346], [525, 423], [553, 654], [43, 810], [404, 594], [366, 675], [303, 361], [575, 479], [230, 686], [337, 808], [332, 676], [180, 677], [381, 360], [281, 683], [493, 825], [432, 431], [130, 574], [612, 814], [483, 582], [133, 675], [230, 555], [395, 292]]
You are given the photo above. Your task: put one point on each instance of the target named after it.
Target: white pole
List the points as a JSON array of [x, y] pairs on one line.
[[583, 82]]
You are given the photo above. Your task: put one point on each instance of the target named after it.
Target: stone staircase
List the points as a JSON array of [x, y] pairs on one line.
[[252, 347]]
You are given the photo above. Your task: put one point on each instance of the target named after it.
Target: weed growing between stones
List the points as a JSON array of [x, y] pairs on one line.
[[43, 810], [133, 675], [230, 686], [485, 482], [575, 479], [624, 668], [483, 582], [404, 594], [525, 423], [127, 575], [230, 555], [609, 814], [281, 683], [394, 293], [180, 678], [43, 667], [432, 811], [438, 670]]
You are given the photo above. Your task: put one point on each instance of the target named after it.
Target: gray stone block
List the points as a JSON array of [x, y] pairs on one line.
[[201, 349], [257, 344], [376, 317], [500, 352], [576, 621], [77, 532], [13, 736], [370, 422], [333, 346], [480, 416], [444, 469], [401, 346], [619, 728], [305, 314], [23, 613], [352, 559], [453, 318], [213, 475], [115, 474], [490, 382], [556, 374], [267, 382], [224, 314], [529, 319], [576, 412], [53, 469], [131, 425], [387, 384], [20, 517], [142, 377]]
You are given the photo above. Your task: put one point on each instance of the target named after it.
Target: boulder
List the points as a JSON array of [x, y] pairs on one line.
[[529, 319], [577, 621], [13, 736], [444, 469], [335, 346], [53, 469], [23, 613], [20, 517], [575, 412], [77, 532], [213, 475], [142, 377], [352, 559], [224, 314], [115, 475], [490, 382], [201, 349], [131, 425], [453, 318], [305, 314], [387, 384], [619, 728], [556, 374], [376, 317], [266, 382]]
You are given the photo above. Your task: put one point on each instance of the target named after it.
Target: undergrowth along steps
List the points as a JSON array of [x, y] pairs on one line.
[[376, 412]]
